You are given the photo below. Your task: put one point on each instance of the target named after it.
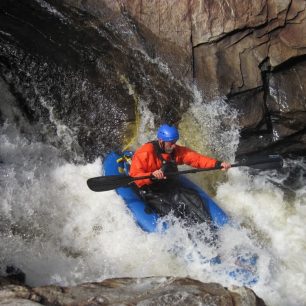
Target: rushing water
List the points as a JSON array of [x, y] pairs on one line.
[[57, 231]]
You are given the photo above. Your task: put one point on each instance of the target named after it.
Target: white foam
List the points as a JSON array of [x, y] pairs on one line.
[[280, 228], [51, 9], [58, 231]]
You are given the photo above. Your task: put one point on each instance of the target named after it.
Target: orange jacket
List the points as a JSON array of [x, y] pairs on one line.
[[145, 161]]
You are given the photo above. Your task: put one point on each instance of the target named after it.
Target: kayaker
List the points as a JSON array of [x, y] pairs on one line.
[[160, 157]]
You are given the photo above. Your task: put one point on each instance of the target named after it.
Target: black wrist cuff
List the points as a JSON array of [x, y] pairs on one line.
[[218, 164]]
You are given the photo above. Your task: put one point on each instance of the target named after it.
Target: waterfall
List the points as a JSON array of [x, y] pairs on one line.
[[69, 99]]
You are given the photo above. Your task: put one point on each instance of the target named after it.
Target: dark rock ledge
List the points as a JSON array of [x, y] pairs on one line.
[[128, 291]]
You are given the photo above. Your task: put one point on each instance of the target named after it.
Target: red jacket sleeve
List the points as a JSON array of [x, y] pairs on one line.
[[189, 157], [141, 165]]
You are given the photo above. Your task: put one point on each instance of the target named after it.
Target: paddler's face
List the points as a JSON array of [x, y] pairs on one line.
[[169, 146]]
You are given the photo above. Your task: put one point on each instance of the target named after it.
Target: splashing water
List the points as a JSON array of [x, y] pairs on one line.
[[278, 223], [271, 206], [57, 231], [212, 127]]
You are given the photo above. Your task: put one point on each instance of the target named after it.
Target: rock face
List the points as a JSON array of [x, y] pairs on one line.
[[253, 52], [79, 80], [128, 291]]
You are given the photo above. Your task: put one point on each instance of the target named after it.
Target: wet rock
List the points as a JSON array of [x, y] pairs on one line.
[[244, 296], [131, 291], [15, 275], [80, 80], [18, 302], [158, 39], [289, 111], [253, 53], [274, 121], [251, 115], [238, 49], [238, 35], [8, 291]]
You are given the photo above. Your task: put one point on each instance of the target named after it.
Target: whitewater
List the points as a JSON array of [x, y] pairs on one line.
[[57, 231]]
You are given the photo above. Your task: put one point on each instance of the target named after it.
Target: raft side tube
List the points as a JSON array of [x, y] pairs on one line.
[[144, 217]]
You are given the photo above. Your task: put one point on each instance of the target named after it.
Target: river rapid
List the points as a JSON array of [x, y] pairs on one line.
[[59, 232]]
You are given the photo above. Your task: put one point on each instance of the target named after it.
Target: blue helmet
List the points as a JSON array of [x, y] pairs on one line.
[[168, 133]]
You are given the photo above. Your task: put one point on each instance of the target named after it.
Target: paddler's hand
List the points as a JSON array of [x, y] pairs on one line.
[[159, 174], [225, 165]]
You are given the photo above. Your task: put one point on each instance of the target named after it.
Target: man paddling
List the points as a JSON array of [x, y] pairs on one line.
[[160, 157]]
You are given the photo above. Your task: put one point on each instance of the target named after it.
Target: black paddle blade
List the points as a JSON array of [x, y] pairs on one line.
[[105, 183], [263, 162]]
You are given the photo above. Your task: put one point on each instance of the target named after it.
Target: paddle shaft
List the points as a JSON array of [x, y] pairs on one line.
[[248, 164], [104, 183], [136, 178]]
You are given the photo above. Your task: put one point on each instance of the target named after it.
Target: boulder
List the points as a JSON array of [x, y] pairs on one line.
[[131, 291]]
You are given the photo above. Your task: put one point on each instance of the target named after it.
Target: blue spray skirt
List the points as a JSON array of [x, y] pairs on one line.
[[118, 164]]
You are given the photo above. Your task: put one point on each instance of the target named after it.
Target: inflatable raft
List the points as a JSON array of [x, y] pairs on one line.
[[118, 164], [147, 219]]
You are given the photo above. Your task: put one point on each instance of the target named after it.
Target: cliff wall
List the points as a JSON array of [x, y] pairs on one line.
[[251, 52]]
